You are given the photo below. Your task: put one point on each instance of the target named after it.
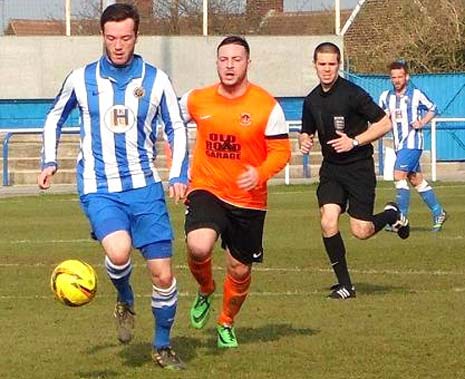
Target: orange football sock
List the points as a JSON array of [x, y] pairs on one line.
[[234, 294], [202, 272]]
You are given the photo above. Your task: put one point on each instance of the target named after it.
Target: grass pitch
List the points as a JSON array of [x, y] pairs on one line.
[[407, 321]]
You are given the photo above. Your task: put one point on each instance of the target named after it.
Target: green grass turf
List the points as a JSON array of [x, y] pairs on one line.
[[406, 322]]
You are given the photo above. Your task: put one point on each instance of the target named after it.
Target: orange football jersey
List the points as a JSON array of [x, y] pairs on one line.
[[231, 135]]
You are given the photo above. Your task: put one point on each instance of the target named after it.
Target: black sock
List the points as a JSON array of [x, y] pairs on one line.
[[384, 218], [336, 252]]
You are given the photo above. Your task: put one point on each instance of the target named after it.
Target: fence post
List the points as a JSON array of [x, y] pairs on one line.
[[305, 167], [6, 179], [381, 156], [68, 17], [433, 149], [205, 18]]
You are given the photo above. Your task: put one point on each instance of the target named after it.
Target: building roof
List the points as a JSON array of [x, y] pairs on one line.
[[19, 27]]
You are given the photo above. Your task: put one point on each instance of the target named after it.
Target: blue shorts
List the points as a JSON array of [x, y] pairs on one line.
[[408, 160], [142, 212]]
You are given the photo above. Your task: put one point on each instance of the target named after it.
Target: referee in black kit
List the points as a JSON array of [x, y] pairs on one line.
[[340, 111]]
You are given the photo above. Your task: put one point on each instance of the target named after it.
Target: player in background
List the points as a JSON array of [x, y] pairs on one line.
[[340, 112], [241, 142], [410, 110], [120, 97]]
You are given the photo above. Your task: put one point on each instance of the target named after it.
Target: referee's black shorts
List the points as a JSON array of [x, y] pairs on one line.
[[241, 229], [351, 186]]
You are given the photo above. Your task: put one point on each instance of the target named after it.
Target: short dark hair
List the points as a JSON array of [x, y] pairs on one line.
[[234, 40], [327, 47], [398, 65], [120, 12]]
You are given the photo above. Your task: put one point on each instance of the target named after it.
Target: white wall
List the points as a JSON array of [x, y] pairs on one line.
[[34, 67]]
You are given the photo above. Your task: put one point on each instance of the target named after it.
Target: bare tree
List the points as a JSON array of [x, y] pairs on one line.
[[185, 16], [436, 38], [428, 34]]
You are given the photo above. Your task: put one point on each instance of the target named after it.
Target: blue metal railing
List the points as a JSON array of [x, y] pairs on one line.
[[294, 126], [6, 140]]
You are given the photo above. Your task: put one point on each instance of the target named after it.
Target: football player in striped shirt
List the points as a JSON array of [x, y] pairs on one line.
[[410, 110], [241, 142], [122, 99]]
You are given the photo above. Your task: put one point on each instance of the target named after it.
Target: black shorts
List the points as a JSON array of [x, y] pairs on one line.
[[241, 229], [351, 186]]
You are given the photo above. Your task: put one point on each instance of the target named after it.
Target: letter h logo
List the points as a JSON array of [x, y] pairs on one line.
[[120, 117]]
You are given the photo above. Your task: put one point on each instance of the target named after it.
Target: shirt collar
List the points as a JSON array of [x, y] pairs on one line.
[[331, 90], [121, 74]]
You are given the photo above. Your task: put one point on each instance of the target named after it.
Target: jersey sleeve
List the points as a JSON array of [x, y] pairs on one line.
[[183, 103], [278, 147], [308, 121], [176, 133], [62, 106], [425, 104], [382, 102], [366, 107]]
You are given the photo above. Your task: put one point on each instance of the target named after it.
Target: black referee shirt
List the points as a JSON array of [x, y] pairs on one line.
[[345, 106]]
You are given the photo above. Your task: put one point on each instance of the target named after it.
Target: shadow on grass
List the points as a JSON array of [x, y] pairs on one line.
[[101, 347], [138, 354], [374, 289], [257, 335]]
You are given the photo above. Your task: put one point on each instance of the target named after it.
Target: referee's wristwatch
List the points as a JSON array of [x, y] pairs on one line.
[[355, 142]]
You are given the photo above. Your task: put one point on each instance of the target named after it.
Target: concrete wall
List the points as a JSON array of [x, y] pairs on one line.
[[34, 67]]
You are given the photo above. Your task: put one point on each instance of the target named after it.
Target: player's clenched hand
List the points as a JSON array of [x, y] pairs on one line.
[[341, 144], [44, 180], [305, 142], [248, 180], [177, 191]]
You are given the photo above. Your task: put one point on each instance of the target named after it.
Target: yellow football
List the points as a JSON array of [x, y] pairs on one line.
[[74, 282]]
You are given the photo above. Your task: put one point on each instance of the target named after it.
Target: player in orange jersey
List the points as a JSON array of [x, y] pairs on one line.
[[242, 141]]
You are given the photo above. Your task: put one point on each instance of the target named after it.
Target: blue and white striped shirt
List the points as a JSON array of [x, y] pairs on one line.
[[120, 109], [404, 110]]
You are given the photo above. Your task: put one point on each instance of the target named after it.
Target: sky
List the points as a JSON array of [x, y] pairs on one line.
[[40, 9]]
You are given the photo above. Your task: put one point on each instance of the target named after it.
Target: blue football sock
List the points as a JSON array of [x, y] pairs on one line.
[[119, 276], [431, 201], [403, 200], [428, 196], [164, 302]]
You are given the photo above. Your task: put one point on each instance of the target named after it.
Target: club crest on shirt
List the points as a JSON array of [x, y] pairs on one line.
[[139, 92], [339, 123], [119, 119], [246, 119]]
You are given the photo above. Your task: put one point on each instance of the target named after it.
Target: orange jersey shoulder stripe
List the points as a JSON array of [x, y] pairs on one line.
[[232, 134]]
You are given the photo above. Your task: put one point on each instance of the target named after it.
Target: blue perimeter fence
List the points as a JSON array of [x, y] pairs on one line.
[[446, 90]]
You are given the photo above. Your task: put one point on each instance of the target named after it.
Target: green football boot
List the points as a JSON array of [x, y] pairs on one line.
[[200, 310], [226, 337]]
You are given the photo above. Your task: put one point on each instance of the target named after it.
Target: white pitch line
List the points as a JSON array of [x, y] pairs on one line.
[[253, 294], [88, 240], [281, 269], [290, 192], [180, 294], [18, 242]]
